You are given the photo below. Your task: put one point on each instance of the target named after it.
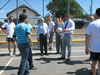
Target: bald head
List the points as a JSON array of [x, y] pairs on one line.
[[91, 18], [42, 20]]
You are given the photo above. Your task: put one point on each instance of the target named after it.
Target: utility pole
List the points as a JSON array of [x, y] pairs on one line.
[[91, 7], [68, 7], [17, 11], [43, 8]]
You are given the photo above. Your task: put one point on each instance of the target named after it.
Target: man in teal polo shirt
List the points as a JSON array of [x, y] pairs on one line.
[[24, 41]]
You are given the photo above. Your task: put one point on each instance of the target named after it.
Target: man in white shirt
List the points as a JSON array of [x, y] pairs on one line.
[[10, 25], [42, 33], [68, 29], [51, 31], [91, 18], [92, 43]]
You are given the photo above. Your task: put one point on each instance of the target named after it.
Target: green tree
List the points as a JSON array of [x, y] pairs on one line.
[[59, 8], [1, 23]]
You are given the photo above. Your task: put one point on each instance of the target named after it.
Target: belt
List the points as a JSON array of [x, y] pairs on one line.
[[43, 34]]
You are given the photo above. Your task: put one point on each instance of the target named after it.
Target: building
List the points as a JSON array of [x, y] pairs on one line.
[[32, 14]]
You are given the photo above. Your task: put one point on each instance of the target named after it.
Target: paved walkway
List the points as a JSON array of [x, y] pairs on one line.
[[47, 65]]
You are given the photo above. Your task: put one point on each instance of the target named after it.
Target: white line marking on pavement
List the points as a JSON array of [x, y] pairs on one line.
[[1, 72]]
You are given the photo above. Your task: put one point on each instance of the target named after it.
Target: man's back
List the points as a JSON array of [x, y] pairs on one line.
[[93, 30], [21, 32]]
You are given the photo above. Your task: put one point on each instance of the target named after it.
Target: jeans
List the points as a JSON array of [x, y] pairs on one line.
[[24, 66], [66, 41], [51, 37], [30, 60]]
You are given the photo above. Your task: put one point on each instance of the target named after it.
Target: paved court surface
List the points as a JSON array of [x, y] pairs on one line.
[[47, 65]]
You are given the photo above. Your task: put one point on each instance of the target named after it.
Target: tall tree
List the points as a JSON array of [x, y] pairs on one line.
[[59, 8]]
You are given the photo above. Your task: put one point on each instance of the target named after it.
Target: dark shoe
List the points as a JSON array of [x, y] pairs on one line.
[[57, 53], [41, 54], [68, 59], [34, 68], [61, 58], [46, 54]]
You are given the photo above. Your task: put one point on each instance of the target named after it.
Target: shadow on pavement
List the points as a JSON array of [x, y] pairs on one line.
[[46, 60], [9, 68], [39, 54], [6, 54], [73, 62], [82, 71]]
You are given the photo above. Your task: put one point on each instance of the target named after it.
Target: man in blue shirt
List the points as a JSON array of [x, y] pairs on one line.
[[24, 41]]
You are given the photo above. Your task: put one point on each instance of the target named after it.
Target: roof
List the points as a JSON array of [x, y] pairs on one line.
[[24, 6]]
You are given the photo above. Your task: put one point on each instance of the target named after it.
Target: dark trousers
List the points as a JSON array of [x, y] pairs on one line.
[[58, 42], [30, 60], [43, 43]]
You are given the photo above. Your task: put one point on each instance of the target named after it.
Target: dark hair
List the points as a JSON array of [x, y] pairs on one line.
[[98, 11], [6, 20], [22, 17], [10, 16]]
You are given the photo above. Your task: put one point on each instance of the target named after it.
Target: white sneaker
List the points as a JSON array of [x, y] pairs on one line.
[[14, 53], [10, 54]]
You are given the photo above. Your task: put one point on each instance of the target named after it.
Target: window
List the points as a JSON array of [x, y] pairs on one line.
[[24, 10]]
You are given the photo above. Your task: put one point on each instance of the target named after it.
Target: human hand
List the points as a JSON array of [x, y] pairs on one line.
[[87, 51], [65, 30]]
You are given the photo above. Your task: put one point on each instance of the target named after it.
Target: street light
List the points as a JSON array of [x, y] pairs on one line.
[[16, 11], [91, 7], [68, 7], [43, 8]]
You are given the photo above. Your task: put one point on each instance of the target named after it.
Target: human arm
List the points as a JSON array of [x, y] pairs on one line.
[[71, 26], [87, 37], [37, 33], [3, 27], [30, 40]]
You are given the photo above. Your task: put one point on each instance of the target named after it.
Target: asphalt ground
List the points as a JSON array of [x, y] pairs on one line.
[[48, 65]]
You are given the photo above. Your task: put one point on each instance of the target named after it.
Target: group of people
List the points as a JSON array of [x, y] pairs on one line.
[[20, 33], [63, 32]]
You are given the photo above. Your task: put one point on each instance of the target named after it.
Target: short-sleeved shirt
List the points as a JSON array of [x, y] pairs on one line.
[[51, 24], [21, 32], [93, 30], [10, 28]]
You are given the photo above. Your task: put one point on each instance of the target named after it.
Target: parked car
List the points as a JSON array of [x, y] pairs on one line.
[[78, 24]]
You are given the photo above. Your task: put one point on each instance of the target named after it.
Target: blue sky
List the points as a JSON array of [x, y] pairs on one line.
[[37, 5]]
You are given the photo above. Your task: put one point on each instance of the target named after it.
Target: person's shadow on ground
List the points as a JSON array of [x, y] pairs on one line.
[[82, 71], [46, 60], [9, 67]]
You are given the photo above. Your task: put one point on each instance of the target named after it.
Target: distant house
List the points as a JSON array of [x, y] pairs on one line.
[[32, 14]]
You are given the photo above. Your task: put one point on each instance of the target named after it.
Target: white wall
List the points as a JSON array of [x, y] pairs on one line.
[[31, 15]]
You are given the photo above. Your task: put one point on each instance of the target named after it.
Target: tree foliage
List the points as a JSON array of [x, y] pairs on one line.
[[59, 8]]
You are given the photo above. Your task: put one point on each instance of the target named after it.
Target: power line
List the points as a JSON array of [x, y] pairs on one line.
[[5, 4], [28, 3]]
